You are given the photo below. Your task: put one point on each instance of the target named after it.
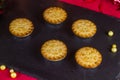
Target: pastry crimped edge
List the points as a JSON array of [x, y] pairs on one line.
[[55, 20], [46, 54], [91, 28], [94, 59], [17, 22]]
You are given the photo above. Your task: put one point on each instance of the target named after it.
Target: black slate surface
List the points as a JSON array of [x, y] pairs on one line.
[[24, 54]]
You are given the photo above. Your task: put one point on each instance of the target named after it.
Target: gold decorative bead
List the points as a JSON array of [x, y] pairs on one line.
[[114, 50], [114, 46], [2, 67], [13, 75], [11, 70], [110, 33]]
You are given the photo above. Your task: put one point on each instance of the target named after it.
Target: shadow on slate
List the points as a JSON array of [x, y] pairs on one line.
[[24, 54]]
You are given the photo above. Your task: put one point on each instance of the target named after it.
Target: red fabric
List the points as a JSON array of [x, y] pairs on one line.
[[5, 75], [104, 6], [116, 1], [110, 8], [86, 4]]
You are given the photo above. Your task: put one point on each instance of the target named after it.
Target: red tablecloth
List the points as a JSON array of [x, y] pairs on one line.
[[5, 75], [104, 6]]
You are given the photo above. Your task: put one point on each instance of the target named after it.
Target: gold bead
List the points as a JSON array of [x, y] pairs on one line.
[[110, 33], [13, 75], [11, 70], [114, 46], [2, 67], [114, 50]]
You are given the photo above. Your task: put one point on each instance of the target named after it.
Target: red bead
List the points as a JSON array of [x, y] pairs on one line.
[[116, 1]]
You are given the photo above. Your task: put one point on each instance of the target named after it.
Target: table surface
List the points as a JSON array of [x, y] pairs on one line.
[[24, 54]]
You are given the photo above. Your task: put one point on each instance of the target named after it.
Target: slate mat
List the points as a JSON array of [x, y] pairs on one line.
[[24, 54]]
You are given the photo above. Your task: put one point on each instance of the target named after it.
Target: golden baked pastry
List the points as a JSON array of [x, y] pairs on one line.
[[21, 27], [88, 57], [84, 28], [54, 50], [55, 15]]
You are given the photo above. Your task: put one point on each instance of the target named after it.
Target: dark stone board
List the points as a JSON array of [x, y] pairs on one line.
[[24, 54]]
